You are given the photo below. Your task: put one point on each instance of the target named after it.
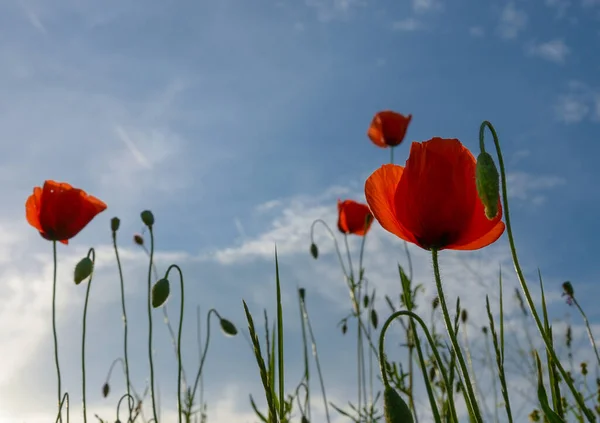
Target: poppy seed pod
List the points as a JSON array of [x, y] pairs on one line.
[[395, 408], [115, 222], [488, 184], [147, 218]]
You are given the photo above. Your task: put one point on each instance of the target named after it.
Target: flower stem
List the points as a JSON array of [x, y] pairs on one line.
[[337, 247], [212, 310], [470, 398], [149, 304], [316, 355], [548, 344], [391, 155], [125, 356], [54, 331], [179, 369], [588, 328], [91, 252]]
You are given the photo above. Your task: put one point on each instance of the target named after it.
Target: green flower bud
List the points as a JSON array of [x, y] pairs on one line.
[[302, 293], [568, 289], [374, 318], [488, 184], [83, 269], [395, 409], [105, 390], [160, 292], [228, 328], [138, 239], [147, 218], [314, 251], [115, 222]]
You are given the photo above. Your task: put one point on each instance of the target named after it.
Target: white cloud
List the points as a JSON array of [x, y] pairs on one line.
[[424, 6], [477, 31], [590, 3], [571, 108], [512, 21], [580, 102], [530, 188], [408, 24], [560, 6], [328, 10], [554, 51]]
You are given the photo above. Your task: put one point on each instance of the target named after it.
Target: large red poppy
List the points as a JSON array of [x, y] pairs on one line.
[[354, 218], [60, 211], [388, 128], [432, 201]]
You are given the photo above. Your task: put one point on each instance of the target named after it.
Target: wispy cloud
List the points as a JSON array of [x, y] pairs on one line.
[[512, 22], [424, 6], [561, 7], [553, 51], [579, 102], [328, 10], [408, 24], [33, 17], [531, 188], [477, 31]]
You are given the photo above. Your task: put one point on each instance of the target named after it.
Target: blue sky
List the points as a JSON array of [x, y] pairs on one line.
[[240, 123]]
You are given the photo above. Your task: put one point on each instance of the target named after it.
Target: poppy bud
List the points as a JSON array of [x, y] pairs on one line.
[[228, 327], [464, 316], [115, 222], [374, 318], [314, 251], [435, 303], [366, 301], [83, 269], [138, 239], [302, 293], [304, 420], [395, 409], [147, 218], [488, 184], [344, 328], [105, 390], [160, 292], [568, 289]]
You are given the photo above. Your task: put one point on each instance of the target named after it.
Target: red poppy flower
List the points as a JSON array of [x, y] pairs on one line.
[[388, 128], [432, 201], [60, 211], [354, 218]]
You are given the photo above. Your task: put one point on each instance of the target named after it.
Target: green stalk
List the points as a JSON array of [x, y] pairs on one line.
[[588, 413], [470, 398]]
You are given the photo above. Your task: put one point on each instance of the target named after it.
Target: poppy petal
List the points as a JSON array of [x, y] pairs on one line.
[[380, 190], [388, 128], [487, 239], [432, 201], [32, 208]]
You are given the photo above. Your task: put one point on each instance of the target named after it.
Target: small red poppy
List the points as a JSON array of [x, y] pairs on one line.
[[433, 201], [388, 128], [59, 211], [354, 218]]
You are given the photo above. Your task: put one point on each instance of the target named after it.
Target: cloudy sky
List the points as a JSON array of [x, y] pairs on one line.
[[238, 123]]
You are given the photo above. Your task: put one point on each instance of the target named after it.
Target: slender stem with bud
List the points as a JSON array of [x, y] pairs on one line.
[[547, 342]]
